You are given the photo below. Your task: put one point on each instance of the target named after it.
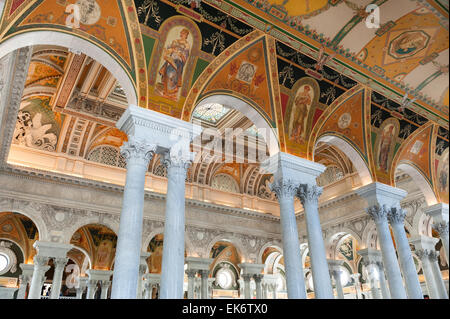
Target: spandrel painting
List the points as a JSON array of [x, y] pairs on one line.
[[299, 113], [386, 140], [171, 69], [442, 176]]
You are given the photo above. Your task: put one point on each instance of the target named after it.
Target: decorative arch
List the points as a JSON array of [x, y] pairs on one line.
[[32, 212], [270, 244], [369, 236], [106, 222], [422, 224], [414, 157], [75, 44], [246, 71], [227, 238], [264, 127], [343, 124], [160, 230]]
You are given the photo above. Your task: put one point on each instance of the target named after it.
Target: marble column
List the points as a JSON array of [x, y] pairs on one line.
[[372, 276], [91, 288], [424, 247], [143, 267], [82, 283], [357, 284], [204, 274], [24, 279], [40, 268], [148, 290], [439, 212], [210, 285], [153, 281], [264, 287], [138, 154], [285, 191], [396, 217], [172, 274], [60, 264], [336, 272], [258, 278], [105, 286], [273, 287], [394, 277], [381, 198], [191, 277], [383, 285], [247, 278], [442, 291], [309, 196]]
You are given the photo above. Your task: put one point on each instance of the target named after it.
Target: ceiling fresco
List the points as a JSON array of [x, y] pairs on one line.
[[306, 78]]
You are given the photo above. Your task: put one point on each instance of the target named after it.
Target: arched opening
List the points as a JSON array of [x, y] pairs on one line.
[[418, 179], [224, 270], [358, 163], [74, 44]]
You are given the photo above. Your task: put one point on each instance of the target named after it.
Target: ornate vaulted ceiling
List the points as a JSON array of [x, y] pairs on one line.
[[357, 83]]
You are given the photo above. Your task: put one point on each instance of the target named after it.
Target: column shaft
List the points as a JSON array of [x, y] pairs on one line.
[[128, 251], [59, 263], [204, 287], [40, 268], [339, 289], [172, 274], [442, 229], [388, 252], [309, 195], [396, 218], [442, 291], [246, 286], [291, 245]]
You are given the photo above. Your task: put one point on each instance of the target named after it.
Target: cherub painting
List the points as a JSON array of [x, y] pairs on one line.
[[174, 58]]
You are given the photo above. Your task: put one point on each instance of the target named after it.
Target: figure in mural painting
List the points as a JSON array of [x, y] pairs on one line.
[[175, 57], [443, 174], [299, 113], [385, 146]]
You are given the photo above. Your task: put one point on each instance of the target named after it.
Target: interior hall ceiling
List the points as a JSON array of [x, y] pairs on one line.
[[71, 102]]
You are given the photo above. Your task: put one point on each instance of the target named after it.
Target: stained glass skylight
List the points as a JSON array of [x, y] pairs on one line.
[[211, 113]]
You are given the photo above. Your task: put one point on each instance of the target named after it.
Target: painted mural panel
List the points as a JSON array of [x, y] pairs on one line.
[[384, 148], [443, 177], [156, 248], [299, 113], [171, 69]]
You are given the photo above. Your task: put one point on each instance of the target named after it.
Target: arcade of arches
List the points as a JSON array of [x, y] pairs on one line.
[[199, 149]]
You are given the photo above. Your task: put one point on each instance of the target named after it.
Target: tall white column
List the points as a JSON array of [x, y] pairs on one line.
[[424, 247], [442, 291], [247, 278], [204, 289], [439, 212], [143, 267], [40, 268], [258, 278], [105, 286], [371, 259], [396, 217], [309, 197], [82, 283], [172, 274], [336, 272], [138, 154], [25, 279], [285, 191], [91, 288], [357, 284], [372, 276], [191, 276], [60, 264], [383, 285], [381, 198]]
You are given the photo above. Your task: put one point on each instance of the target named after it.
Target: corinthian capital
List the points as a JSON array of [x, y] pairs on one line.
[[307, 193], [378, 213], [441, 228], [423, 253], [137, 150], [284, 188], [60, 262], [396, 215], [181, 160], [40, 261]]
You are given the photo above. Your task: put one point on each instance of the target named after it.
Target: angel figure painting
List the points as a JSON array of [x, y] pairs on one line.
[[175, 55], [386, 141], [299, 114]]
